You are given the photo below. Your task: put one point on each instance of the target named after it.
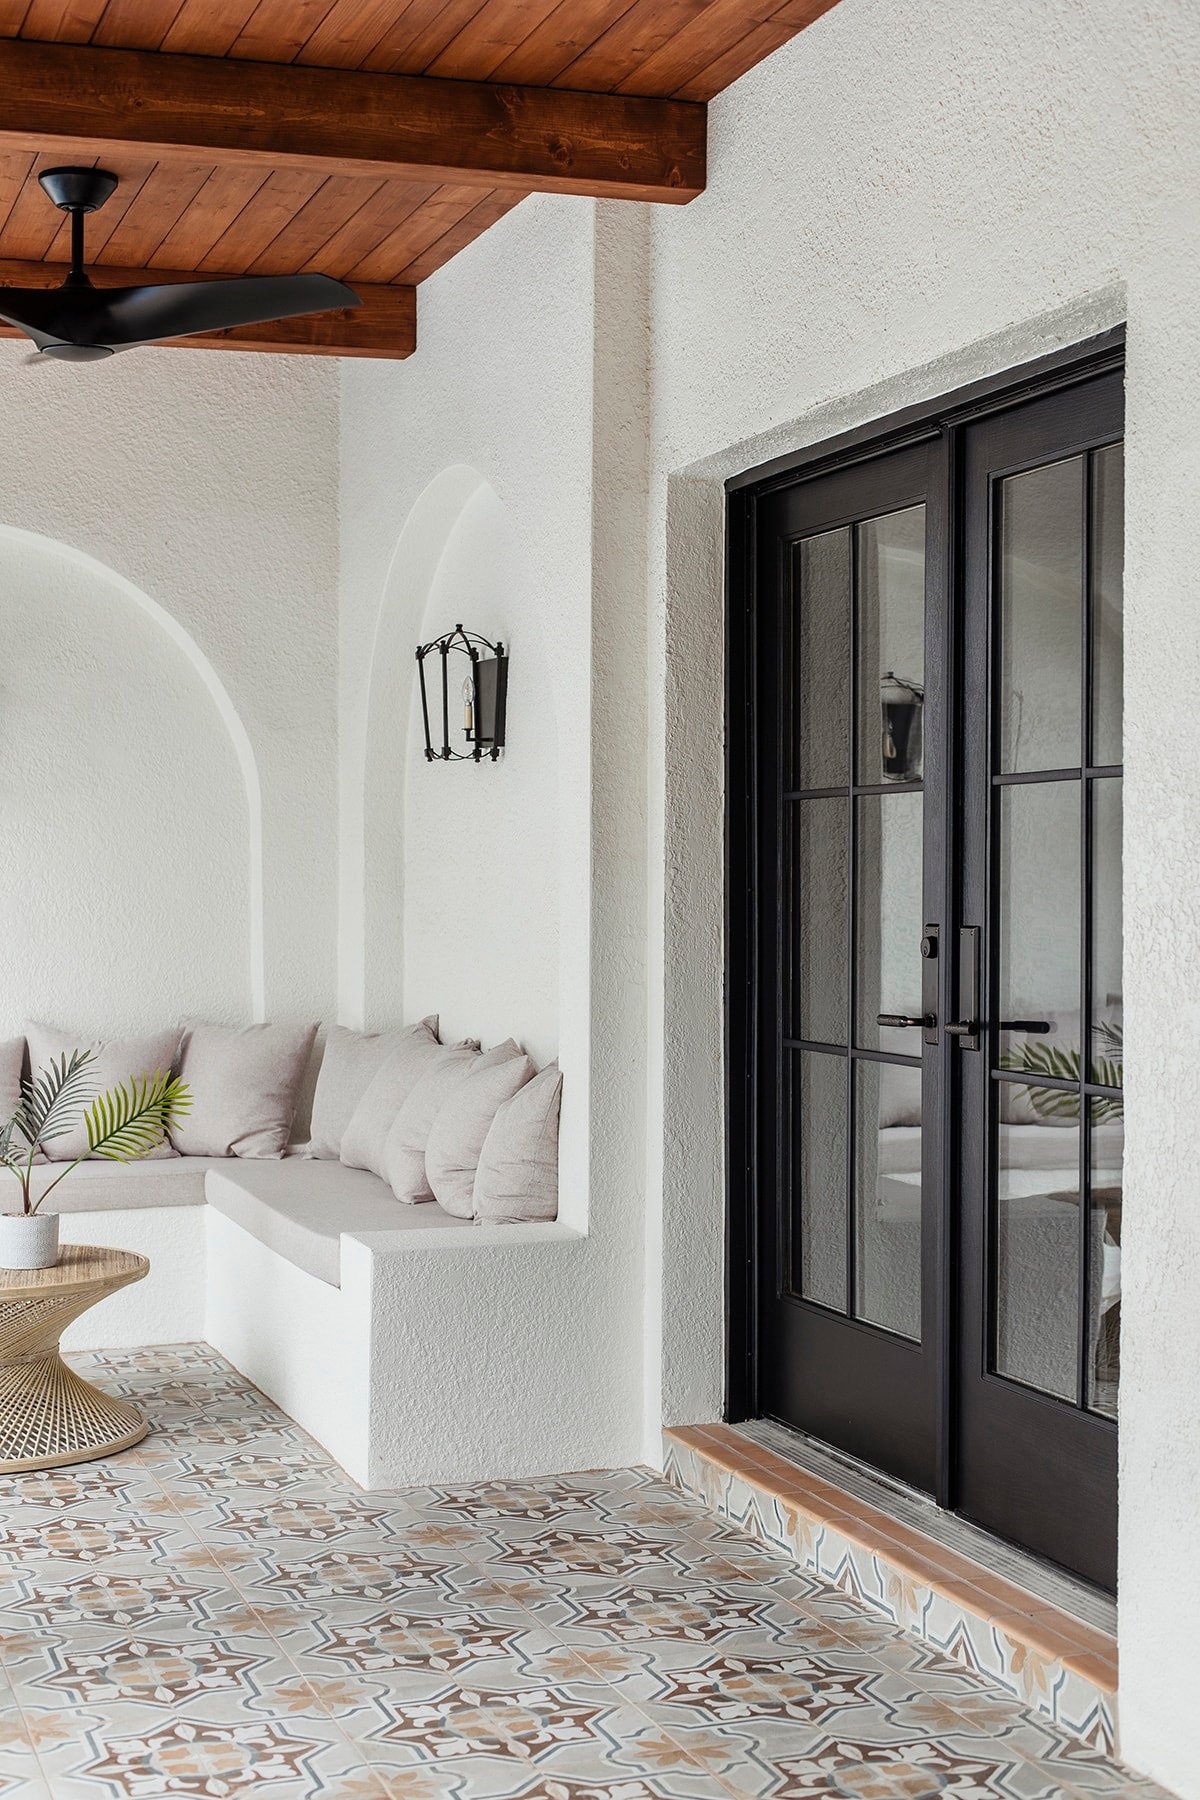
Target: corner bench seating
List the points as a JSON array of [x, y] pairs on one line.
[[356, 1314], [297, 1208]]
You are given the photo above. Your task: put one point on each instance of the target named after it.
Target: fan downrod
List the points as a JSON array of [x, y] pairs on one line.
[[78, 190]]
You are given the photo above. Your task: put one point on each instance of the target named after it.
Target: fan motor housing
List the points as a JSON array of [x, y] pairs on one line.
[[78, 190]]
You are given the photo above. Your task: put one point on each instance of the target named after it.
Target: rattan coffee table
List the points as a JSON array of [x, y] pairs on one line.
[[50, 1416]]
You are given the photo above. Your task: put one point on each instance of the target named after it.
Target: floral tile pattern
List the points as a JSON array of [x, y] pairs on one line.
[[220, 1614], [872, 1584]]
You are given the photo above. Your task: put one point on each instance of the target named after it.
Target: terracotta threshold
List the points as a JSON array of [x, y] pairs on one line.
[[1046, 1654]]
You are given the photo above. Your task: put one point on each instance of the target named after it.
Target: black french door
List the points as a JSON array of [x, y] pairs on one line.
[[925, 1030]]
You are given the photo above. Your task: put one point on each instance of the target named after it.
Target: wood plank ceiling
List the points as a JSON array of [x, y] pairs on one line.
[[187, 213]]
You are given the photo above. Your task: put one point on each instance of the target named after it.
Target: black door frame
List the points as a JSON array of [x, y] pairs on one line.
[[938, 422]]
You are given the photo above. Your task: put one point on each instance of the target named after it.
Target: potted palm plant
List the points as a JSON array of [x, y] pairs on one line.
[[123, 1124]]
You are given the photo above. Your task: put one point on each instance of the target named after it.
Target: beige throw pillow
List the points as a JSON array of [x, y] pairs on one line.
[[243, 1081], [518, 1168], [366, 1132], [462, 1123], [404, 1149], [351, 1060], [12, 1062], [116, 1061]]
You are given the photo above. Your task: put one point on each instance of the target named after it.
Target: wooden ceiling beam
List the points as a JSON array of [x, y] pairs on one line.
[[80, 102], [384, 326]]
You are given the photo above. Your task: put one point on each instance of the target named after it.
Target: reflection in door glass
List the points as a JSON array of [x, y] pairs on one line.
[[1107, 1151], [1108, 1029], [1037, 1237], [1108, 557], [1039, 925], [1041, 615], [887, 1196], [891, 646], [820, 919], [821, 650], [819, 1180], [888, 922]]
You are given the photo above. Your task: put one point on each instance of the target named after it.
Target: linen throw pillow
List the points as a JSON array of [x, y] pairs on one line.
[[114, 1062], [367, 1129], [243, 1080], [518, 1168], [461, 1125], [351, 1060], [12, 1062], [404, 1148]]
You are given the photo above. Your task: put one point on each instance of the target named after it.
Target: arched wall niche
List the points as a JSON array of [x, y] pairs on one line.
[[131, 889], [459, 865]]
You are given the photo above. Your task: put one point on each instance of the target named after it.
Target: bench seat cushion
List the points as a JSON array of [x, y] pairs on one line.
[[299, 1208], [111, 1186]]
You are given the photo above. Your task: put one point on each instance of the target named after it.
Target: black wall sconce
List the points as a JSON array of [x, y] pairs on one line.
[[902, 704], [483, 688]]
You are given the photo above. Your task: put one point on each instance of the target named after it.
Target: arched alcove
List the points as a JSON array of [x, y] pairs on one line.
[[131, 884], [459, 865]]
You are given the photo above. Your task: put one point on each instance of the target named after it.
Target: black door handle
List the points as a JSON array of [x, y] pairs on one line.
[[963, 1028], [925, 1022]]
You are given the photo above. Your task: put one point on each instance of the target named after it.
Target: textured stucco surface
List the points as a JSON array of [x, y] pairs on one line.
[[488, 499], [209, 483], [105, 728], [480, 876]]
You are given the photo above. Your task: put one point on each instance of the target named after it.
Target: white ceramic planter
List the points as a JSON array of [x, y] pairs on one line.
[[28, 1240]]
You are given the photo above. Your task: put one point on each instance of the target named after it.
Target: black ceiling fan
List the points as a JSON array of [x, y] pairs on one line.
[[77, 322]]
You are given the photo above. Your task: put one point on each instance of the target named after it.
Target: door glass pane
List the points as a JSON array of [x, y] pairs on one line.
[[821, 648], [1037, 1238], [1041, 576], [887, 1196], [821, 920], [1108, 560], [889, 917], [891, 646], [820, 1119], [1104, 1277], [1039, 883], [1108, 1034]]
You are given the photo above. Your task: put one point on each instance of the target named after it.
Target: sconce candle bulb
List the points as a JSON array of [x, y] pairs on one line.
[[484, 696]]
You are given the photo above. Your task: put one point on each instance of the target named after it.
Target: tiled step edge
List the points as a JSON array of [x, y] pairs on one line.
[[1042, 1656]]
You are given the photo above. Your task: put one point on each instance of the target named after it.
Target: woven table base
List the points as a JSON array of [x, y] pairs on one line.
[[49, 1415]]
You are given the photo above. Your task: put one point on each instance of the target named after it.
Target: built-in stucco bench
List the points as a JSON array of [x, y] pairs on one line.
[[301, 1209], [298, 1209], [377, 1326]]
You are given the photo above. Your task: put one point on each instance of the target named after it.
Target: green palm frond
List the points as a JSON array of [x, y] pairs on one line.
[[1036, 1057], [50, 1101], [13, 1155], [134, 1118]]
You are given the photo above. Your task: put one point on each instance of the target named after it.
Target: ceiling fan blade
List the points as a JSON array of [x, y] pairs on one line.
[[38, 312], [126, 317]]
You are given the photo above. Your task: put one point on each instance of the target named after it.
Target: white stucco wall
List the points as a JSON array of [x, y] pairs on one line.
[[481, 875], [470, 478], [168, 553], [900, 200]]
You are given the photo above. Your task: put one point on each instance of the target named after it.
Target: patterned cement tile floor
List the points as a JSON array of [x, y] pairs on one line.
[[221, 1612]]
